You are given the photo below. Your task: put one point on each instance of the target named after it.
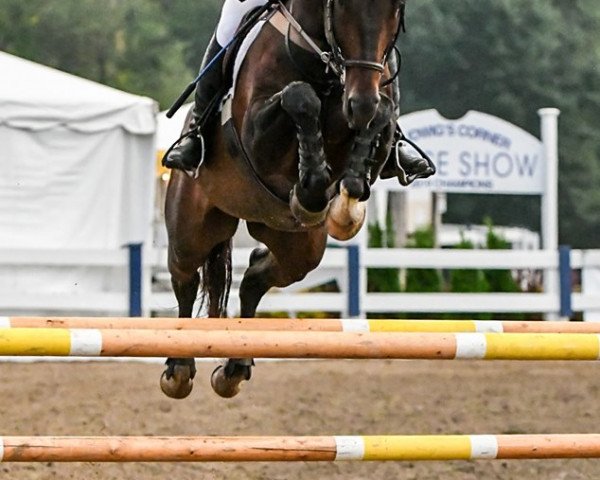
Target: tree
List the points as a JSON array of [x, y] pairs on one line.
[[124, 44], [509, 58], [192, 23], [504, 57]]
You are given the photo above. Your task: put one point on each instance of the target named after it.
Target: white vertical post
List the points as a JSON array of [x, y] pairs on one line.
[[381, 202], [590, 283], [549, 133], [362, 239], [148, 261], [437, 200]]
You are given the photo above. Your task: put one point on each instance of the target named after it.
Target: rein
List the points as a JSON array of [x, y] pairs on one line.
[[334, 59]]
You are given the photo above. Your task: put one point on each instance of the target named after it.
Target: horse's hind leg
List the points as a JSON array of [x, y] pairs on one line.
[[177, 379], [288, 258], [198, 237]]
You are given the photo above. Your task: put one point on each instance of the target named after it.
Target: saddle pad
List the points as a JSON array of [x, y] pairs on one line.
[[237, 65]]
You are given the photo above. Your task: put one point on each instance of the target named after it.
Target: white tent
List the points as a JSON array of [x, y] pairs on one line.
[[76, 164], [169, 129], [76, 160]]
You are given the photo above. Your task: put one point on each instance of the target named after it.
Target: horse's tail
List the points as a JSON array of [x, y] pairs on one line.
[[216, 279]]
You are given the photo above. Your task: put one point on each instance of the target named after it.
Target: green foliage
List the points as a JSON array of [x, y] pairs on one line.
[[192, 23], [468, 281], [382, 279], [124, 44], [422, 279], [504, 57], [510, 58], [499, 280]]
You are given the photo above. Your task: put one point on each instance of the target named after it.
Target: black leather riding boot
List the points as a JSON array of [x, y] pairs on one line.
[[188, 154], [400, 163]]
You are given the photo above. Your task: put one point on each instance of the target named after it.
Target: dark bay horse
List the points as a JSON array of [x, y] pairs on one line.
[[296, 160]]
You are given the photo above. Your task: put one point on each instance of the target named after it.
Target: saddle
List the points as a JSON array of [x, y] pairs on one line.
[[232, 64]]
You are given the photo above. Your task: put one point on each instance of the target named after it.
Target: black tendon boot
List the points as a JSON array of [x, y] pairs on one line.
[[189, 153]]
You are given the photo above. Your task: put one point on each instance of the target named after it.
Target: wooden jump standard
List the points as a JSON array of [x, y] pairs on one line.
[[265, 344], [320, 325], [290, 449]]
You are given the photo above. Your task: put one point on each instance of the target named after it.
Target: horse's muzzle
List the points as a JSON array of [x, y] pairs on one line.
[[361, 109]]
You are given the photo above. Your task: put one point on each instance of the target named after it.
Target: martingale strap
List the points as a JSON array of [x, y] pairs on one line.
[[326, 57], [282, 25]]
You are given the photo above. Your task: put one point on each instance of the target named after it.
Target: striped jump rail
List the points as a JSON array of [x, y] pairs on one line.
[[286, 324], [264, 344], [292, 449]]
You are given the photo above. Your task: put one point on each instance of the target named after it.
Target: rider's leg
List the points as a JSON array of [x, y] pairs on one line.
[[401, 163], [231, 16], [188, 154]]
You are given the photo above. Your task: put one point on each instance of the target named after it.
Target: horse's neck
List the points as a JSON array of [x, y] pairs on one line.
[[309, 13]]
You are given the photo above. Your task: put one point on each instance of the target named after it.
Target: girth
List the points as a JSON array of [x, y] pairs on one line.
[[269, 201]]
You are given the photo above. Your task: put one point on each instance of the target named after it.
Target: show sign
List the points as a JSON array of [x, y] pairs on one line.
[[477, 153]]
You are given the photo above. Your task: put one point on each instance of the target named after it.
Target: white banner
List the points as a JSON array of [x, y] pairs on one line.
[[477, 153]]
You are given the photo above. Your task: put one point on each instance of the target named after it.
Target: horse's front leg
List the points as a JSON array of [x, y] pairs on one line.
[[309, 200], [296, 107], [347, 212]]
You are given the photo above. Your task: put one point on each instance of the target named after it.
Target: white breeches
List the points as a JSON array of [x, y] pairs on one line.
[[231, 16]]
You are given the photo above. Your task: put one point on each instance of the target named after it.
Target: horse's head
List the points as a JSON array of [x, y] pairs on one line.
[[361, 34]]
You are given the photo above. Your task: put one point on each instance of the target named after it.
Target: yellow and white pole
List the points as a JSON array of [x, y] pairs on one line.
[[290, 449], [309, 324], [300, 344]]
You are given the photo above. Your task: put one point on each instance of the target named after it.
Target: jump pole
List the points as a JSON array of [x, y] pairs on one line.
[[292, 449], [287, 324], [243, 344]]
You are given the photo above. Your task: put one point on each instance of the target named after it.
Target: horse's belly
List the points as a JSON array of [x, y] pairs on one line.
[[233, 188]]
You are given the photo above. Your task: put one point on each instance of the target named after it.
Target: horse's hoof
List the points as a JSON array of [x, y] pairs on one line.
[[180, 384], [224, 386], [346, 216]]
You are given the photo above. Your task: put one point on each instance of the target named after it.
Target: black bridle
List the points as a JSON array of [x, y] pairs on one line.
[[336, 59]]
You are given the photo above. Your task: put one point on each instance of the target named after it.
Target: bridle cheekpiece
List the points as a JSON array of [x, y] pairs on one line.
[[334, 59]]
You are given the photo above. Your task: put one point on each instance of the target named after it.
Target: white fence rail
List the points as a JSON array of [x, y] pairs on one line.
[[334, 267], [112, 296], [49, 280]]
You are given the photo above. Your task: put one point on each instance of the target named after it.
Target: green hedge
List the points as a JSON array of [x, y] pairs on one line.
[[432, 280], [382, 279]]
